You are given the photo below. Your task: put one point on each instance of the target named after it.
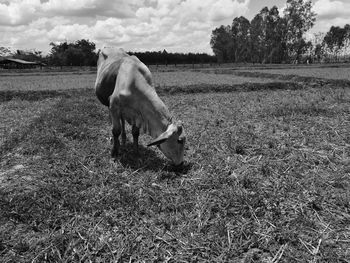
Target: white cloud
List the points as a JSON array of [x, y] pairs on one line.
[[90, 8], [330, 13], [177, 25], [48, 23], [325, 24], [107, 29], [69, 33], [327, 9], [18, 12], [218, 13], [212, 11]]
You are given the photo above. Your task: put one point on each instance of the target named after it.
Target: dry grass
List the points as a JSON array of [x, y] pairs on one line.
[[52, 82], [266, 180], [17, 114]]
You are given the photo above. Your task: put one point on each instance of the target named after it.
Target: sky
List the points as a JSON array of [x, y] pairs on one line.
[[138, 25]]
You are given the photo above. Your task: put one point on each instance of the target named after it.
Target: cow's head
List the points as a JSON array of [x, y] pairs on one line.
[[172, 142], [106, 52]]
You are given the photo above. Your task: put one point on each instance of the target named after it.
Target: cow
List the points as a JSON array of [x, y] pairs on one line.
[[124, 84]]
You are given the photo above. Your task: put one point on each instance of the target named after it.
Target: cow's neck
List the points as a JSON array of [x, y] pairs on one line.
[[157, 116]]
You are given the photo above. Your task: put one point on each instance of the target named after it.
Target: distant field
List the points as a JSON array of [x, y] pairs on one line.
[[327, 73], [304, 75], [64, 81], [266, 178], [185, 78], [174, 78], [41, 81]]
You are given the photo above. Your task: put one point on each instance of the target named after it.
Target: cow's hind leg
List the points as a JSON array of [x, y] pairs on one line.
[[116, 127], [135, 134]]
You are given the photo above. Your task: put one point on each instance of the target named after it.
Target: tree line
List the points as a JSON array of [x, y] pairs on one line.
[[336, 42], [268, 37], [83, 53], [158, 57], [79, 53], [274, 38]]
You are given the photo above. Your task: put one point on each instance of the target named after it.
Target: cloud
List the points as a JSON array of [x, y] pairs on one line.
[[89, 8], [68, 33], [139, 25], [18, 12], [187, 25], [325, 24], [107, 29], [218, 13], [177, 25], [327, 9], [330, 13]]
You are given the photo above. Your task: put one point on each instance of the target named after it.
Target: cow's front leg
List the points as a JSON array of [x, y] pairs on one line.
[[123, 131], [116, 144], [116, 128], [135, 134]]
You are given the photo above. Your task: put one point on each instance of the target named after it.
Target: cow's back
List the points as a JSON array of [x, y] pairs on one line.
[[114, 62], [108, 65]]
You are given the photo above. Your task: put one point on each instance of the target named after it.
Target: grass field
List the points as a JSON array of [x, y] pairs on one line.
[[64, 81], [266, 179], [327, 73]]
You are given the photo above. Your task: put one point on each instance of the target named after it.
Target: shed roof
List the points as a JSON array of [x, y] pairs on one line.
[[18, 61]]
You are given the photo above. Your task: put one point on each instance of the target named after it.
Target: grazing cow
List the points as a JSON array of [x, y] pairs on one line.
[[124, 84]]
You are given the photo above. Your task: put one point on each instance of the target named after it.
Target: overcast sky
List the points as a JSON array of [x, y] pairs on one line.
[[138, 25]]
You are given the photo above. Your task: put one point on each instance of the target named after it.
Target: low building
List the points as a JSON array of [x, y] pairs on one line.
[[14, 63]]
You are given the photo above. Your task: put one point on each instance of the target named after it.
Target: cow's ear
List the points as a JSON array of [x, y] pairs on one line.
[[105, 56], [160, 139], [179, 127]]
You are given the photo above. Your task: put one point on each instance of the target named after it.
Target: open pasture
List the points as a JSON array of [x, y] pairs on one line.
[[309, 76], [63, 81], [266, 178], [315, 72]]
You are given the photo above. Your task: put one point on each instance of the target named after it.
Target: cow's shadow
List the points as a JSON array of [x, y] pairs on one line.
[[147, 158]]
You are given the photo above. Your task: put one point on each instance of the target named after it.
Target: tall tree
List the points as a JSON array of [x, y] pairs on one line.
[[267, 36], [275, 37], [79, 53], [240, 31], [299, 18], [88, 50], [258, 36], [336, 37], [57, 54], [221, 43]]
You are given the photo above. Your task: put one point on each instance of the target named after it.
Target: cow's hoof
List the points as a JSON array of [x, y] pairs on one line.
[[114, 153]]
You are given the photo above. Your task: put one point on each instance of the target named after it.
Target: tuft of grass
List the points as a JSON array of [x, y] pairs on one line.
[[266, 179]]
